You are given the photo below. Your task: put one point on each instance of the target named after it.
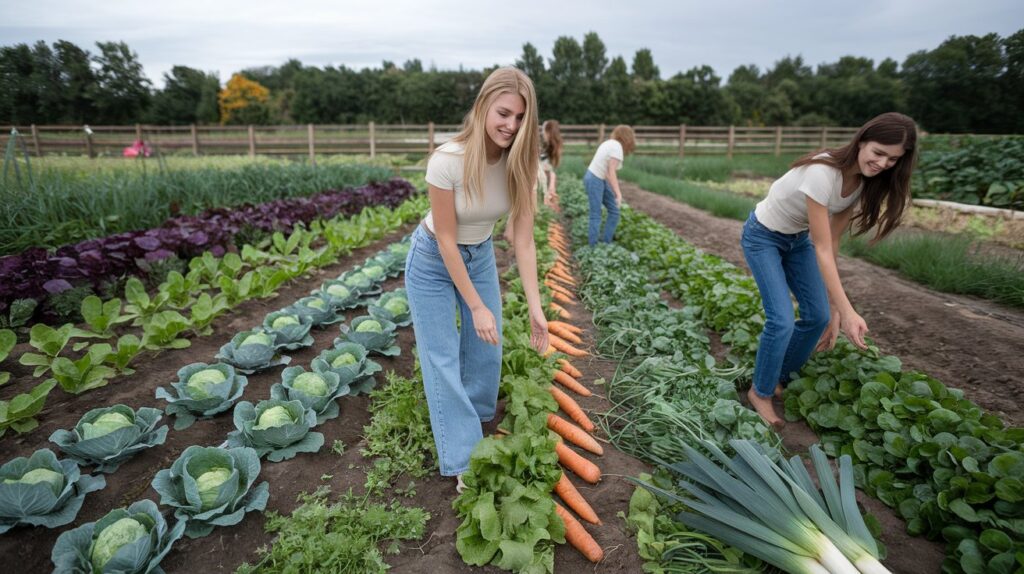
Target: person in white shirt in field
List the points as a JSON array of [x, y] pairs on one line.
[[791, 243], [488, 170], [602, 182]]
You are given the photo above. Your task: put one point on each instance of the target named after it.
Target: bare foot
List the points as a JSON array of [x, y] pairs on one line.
[[765, 409]]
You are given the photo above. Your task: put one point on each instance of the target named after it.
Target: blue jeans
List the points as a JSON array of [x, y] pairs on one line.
[[780, 263], [600, 192], [460, 371]]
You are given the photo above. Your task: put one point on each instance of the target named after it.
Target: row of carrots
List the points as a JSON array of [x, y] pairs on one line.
[[564, 337]]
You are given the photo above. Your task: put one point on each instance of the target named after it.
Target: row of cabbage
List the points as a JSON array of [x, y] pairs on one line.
[[208, 486], [183, 306], [950, 469]]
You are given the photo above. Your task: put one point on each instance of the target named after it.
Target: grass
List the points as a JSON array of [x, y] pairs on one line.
[[951, 264], [72, 199]]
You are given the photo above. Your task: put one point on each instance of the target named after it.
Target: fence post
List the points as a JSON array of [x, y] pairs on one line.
[[732, 141], [35, 140], [138, 132], [430, 138], [195, 139], [88, 143], [252, 141], [778, 141], [312, 146], [600, 134], [824, 135], [682, 140], [373, 142]]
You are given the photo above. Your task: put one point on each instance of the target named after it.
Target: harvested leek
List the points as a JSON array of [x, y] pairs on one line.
[[774, 512]]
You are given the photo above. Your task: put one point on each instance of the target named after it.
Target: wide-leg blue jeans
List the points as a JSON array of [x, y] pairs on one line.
[[781, 263], [460, 371]]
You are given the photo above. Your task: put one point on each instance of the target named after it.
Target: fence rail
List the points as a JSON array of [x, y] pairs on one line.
[[373, 139]]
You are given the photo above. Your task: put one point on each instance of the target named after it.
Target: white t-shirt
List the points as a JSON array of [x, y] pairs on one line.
[[610, 149], [475, 219], [785, 208]]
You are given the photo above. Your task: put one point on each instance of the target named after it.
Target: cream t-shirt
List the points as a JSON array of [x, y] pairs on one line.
[[475, 219], [610, 149], [785, 208]]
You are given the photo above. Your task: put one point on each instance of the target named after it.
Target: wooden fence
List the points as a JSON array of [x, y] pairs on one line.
[[373, 139]]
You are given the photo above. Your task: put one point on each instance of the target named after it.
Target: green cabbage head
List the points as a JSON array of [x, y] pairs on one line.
[[339, 291], [273, 417], [311, 384], [374, 272], [369, 326], [357, 278], [54, 479], [344, 359], [199, 383], [397, 306], [284, 321], [257, 339], [105, 424], [209, 485], [112, 538]]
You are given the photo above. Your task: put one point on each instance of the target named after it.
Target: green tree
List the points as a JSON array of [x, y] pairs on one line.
[[78, 82], [186, 93], [956, 87], [643, 66], [121, 92]]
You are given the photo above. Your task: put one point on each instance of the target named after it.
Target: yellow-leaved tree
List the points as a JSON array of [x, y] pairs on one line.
[[243, 101]]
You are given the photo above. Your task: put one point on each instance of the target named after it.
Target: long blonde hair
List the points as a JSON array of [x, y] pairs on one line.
[[522, 162]]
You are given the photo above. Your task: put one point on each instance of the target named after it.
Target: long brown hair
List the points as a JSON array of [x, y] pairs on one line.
[[552, 131], [521, 165], [892, 186], [625, 136]]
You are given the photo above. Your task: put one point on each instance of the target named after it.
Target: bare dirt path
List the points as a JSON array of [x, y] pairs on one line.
[[964, 342]]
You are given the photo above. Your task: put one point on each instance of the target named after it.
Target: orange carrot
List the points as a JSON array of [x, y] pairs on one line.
[[572, 384], [574, 434], [563, 297], [570, 327], [580, 466], [562, 312], [556, 277], [552, 274], [578, 536], [565, 334], [565, 347], [558, 288], [565, 489], [568, 368], [571, 408]]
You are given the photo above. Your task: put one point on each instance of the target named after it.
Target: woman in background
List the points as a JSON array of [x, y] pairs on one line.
[[602, 182]]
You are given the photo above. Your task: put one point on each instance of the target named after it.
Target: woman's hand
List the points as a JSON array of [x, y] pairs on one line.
[[828, 338], [483, 322], [539, 331], [854, 327], [618, 199]]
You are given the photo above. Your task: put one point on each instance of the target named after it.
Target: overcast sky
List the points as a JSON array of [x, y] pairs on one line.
[[225, 36]]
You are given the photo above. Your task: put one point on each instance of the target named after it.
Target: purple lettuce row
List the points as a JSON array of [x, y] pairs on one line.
[[37, 272]]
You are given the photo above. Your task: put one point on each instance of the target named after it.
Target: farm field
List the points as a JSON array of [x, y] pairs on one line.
[[400, 513]]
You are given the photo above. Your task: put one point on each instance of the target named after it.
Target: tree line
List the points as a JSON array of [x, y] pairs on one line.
[[966, 84]]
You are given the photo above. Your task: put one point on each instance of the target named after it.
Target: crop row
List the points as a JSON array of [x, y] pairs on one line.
[[36, 273], [950, 469], [212, 287], [212, 486]]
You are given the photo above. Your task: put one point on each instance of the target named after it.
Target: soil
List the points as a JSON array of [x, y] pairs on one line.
[[935, 333], [228, 547]]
